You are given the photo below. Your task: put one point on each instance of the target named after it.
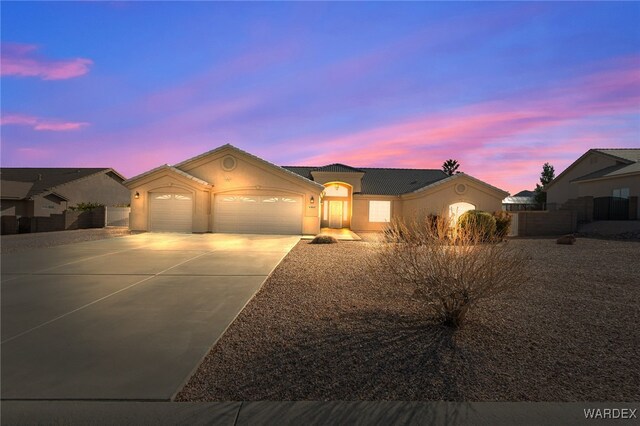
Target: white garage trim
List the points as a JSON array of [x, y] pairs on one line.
[[258, 214], [170, 212]]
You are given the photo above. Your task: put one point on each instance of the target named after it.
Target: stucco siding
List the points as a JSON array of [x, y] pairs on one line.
[[562, 189], [360, 215], [256, 178], [353, 179], [249, 176], [438, 199], [14, 207], [605, 187], [45, 206], [99, 188], [166, 182]]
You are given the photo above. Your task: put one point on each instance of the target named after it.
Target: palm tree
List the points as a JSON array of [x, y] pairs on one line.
[[450, 166]]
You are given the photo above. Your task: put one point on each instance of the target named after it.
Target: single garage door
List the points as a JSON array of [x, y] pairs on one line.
[[169, 212], [251, 214]]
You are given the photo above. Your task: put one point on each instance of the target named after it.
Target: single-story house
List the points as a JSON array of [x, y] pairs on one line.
[[41, 192], [230, 190], [602, 184], [523, 200]]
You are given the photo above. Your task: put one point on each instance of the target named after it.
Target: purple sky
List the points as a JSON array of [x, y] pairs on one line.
[[501, 87]]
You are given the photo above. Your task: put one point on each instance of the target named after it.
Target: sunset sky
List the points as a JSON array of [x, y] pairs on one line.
[[501, 87]]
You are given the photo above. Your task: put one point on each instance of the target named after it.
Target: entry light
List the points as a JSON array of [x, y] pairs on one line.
[[137, 195], [312, 200]]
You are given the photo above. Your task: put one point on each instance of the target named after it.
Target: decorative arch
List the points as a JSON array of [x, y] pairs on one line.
[[458, 209], [337, 189], [337, 204]]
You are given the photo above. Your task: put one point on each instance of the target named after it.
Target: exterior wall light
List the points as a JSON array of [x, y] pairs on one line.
[[312, 200], [137, 195]]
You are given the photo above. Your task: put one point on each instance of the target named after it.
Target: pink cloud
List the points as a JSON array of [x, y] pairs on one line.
[[40, 124], [22, 60], [519, 133]]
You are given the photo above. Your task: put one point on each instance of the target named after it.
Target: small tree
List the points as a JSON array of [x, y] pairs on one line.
[[450, 167], [451, 271], [547, 175]]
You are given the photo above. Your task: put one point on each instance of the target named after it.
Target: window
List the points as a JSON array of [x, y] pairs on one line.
[[379, 211], [621, 193]]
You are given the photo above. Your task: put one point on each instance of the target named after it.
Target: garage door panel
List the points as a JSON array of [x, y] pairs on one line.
[[267, 214], [170, 212]]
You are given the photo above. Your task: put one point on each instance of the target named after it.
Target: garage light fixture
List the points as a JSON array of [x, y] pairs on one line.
[[312, 200], [137, 195]]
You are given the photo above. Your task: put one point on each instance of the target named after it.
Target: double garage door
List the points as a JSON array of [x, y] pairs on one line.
[[243, 214], [251, 214]]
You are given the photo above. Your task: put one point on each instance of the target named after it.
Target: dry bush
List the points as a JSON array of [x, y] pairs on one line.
[[503, 223], [323, 239], [450, 270]]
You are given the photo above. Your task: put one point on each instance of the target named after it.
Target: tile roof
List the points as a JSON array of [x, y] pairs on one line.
[[42, 179], [382, 181], [623, 155], [629, 154], [337, 167], [611, 171], [629, 163]]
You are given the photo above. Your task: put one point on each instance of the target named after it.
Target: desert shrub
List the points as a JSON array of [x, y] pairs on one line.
[[450, 271], [503, 223], [478, 224], [83, 207], [432, 220], [323, 239], [403, 231], [569, 239]]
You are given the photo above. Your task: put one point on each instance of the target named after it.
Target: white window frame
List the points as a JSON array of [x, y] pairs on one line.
[[621, 193], [379, 211]]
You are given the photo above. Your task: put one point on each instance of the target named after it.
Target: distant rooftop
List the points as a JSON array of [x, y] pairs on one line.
[[25, 182]]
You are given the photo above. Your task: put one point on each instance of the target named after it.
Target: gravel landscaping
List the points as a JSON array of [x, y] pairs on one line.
[[320, 329], [19, 242]]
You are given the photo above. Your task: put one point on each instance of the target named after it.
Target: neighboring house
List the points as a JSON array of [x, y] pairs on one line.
[[602, 184], [523, 200], [41, 192], [230, 190]]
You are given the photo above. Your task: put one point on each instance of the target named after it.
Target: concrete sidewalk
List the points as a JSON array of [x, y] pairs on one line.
[[306, 412]]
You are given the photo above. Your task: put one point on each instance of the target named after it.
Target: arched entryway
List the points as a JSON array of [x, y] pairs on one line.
[[336, 205], [458, 209]]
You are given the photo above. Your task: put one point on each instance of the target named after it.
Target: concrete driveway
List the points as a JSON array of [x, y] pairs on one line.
[[124, 318]]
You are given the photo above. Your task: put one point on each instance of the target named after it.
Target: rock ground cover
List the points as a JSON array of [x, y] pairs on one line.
[[321, 329]]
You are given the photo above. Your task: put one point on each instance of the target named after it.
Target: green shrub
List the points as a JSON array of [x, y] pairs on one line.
[[84, 207], [503, 223], [478, 222], [323, 239]]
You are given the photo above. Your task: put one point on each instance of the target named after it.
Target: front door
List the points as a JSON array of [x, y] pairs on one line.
[[335, 214]]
